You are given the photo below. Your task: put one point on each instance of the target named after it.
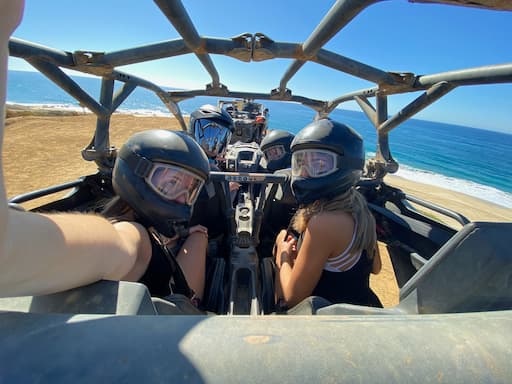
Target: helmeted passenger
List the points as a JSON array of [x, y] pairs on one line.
[[276, 149], [280, 207], [76, 249], [212, 128], [158, 176], [336, 250]]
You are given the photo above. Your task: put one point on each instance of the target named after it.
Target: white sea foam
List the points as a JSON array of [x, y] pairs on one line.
[[141, 112], [145, 112], [467, 187], [53, 106], [148, 112]]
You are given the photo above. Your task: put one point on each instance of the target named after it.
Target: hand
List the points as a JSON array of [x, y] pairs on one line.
[[234, 186], [198, 229], [285, 248]]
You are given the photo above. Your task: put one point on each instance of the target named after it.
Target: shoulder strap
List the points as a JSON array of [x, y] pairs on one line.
[[177, 283]]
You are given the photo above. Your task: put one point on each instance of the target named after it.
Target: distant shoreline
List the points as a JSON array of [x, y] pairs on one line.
[[473, 208], [168, 87], [16, 110], [62, 123]]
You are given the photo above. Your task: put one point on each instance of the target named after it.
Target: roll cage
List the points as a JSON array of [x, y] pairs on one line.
[[457, 306], [256, 47]]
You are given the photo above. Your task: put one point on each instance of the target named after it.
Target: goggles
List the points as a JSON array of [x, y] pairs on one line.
[[275, 152], [211, 136], [174, 183], [313, 163]]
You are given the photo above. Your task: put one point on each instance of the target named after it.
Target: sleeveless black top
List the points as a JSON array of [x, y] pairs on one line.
[[164, 275], [351, 286]]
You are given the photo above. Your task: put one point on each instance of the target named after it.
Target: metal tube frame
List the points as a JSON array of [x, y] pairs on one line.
[[253, 47]]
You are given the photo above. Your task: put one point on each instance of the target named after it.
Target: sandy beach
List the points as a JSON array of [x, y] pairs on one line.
[[473, 208], [43, 148]]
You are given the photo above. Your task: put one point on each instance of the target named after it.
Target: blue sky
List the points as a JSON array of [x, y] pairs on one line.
[[392, 35]]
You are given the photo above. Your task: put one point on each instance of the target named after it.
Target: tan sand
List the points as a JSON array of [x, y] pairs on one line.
[[384, 284], [469, 206], [43, 148]]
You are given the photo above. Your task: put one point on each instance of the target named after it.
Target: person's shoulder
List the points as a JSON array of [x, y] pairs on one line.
[[131, 226], [330, 222]]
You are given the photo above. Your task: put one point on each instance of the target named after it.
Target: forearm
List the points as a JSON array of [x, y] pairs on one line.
[[44, 254], [285, 268], [10, 16], [192, 260]]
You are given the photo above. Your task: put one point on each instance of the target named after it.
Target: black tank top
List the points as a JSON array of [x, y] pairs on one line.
[[161, 269], [351, 287]]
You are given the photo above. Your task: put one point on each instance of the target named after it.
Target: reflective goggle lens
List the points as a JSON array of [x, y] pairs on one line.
[[174, 183], [211, 136], [275, 152], [313, 163]]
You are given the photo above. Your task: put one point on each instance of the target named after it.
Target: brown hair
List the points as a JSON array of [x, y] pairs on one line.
[[117, 210]]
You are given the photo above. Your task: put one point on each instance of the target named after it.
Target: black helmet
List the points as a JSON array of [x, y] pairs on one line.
[[212, 128], [327, 160], [159, 173], [276, 148]]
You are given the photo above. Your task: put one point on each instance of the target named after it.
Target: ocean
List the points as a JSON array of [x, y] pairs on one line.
[[473, 161]]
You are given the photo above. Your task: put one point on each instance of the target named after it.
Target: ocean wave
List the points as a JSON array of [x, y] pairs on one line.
[[141, 112], [482, 192], [144, 112], [51, 106], [467, 187]]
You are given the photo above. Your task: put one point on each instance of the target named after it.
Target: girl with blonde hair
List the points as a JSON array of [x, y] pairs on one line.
[[335, 247]]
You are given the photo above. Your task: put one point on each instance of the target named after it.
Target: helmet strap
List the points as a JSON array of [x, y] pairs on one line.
[[140, 165]]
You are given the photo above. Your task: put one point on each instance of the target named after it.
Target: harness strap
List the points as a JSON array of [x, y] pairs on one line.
[[178, 282]]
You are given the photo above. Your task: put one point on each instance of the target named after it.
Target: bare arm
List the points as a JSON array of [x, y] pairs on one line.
[[298, 282], [192, 258], [48, 253], [321, 240], [10, 15]]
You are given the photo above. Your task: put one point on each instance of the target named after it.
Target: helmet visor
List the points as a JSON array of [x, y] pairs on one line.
[[275, 152], [174, 183], [211, 136], [313, 163]]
